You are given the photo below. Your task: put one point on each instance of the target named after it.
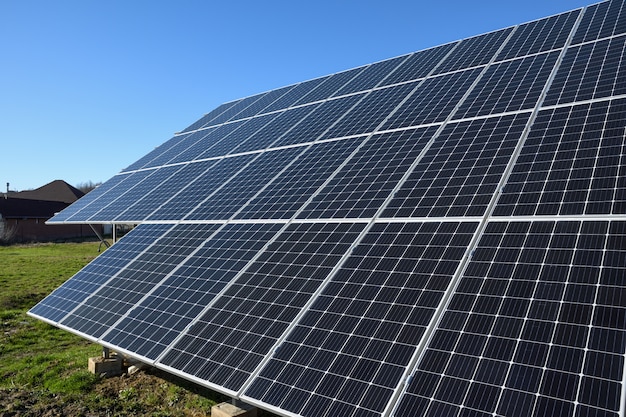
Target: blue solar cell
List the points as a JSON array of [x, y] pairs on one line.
[[89, 279], [357, 339], [509, 86], [233, 336], [540, 36], [570, 163], [123, 290], [601, 21], [361, 187], [282, 198], [461, 170], [155, 322], [590, 71]]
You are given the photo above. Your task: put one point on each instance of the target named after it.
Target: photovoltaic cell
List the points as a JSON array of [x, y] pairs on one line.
[[509, 86], [216, 173], [370, 112], [294, 95], [128, 286], [272, 131], [540, 36], [173, 142], [418, 65], [153, 199], [216, 142], [231, 194], [264, 102], [459, 173], [204, 120], [330, 86], [189, 148], [109, 194], [154, 180], [86, 200], [318, 121], [74, 291], [371, 76], [531, 328], [433, 101], [571, 163], [233, 112], [601, 21], [474, 51], [233, 336], [154, 323], [361, 187], [590, 71], [293, 187], [349, 352]]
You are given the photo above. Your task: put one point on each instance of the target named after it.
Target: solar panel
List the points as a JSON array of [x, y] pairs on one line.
[[438, 234], [349, 352], [231, 338]]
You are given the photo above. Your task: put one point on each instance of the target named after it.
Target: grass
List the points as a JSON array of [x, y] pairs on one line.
[[43, 370]]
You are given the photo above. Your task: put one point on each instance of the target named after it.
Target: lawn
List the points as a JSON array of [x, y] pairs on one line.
[[43, 370]]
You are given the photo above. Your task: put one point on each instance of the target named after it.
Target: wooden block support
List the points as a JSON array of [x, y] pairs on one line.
[[111, 366], [232, 410]]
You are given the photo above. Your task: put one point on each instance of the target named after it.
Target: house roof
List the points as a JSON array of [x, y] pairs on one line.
[[57, 191], [21, 208]]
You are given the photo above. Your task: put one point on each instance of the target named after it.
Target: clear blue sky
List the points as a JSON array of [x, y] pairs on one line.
[[87, 87]]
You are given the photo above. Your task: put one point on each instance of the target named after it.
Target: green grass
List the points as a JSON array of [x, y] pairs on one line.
[[43, 370]]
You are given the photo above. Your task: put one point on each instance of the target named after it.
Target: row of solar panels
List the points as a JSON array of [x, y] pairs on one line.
[[570, 164], [301, 316]]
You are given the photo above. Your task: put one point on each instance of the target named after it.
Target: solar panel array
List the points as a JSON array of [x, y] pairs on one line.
[[438, 234]]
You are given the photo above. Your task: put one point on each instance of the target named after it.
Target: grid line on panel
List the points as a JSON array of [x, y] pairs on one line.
[[475, 51], [204, 120], [350, 349], [108, 195], [602, 20], [460, 171], [418, 65], [163, 148], [95, 316], [154, 323], [590, 71], [236, 191], [223, 139], [372, 76], [570, 163], [191, 145], [234, 335], [272, 132], [361, 187], [318, 121], [153, 199], [86, 200], [134, 194], [186, 199], [434, 100], [289, 99], [331, 86], [290, 189], [541, 35], [231, 114], [85, 282], [509, 86], [532, 327]]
